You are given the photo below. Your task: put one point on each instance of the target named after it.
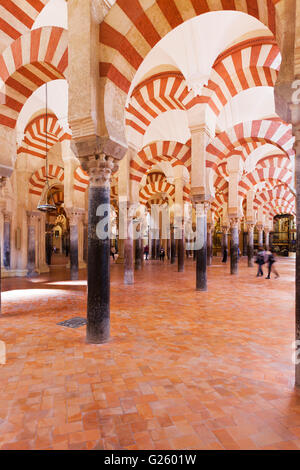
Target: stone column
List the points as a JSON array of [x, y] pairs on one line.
[[74, 216], [234, 257], [138, 249], [6, 239], [180, 248], [260, 229], [267, 238], [209, 244], [201, 246], [297, 312], [31, 243], [173, 246], [250, 244], [245, 241], [128, 250], [178, 216], [225, 231], [85, 242], [98, 307]]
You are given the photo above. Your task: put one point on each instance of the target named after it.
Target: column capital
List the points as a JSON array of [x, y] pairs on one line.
[[99, 168], [201, 207], [32, 215], [201, 129], [7, 215], [260, 227], [75, 215], [234, 222], [225, 229], [250, 226]]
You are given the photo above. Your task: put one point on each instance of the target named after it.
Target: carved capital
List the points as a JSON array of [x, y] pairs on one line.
[[234, 222], [202, 208], [74, 215], [250, 227], [225, 229], [32, 216], [260, 227], [7, 216], [99, 169]]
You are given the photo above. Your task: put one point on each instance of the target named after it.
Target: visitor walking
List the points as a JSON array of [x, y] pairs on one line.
[[113, 252], [260, 261], [225, 255], [146, 251], [162, 254], [271, 260]]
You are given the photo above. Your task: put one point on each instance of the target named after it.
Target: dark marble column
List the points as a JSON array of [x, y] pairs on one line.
[[128, 252], [201, 245], [85, 242], [234, 248], [138, 254], [180, 248], [225, 243], [267, 239], [250, 245], [31, 240], [209, 244], [153, 247], [173, 246], [168, 248], [98, 304], [245, 242], [260, 235], [297, 311], [74, 217], [6, 239], [157, 246]]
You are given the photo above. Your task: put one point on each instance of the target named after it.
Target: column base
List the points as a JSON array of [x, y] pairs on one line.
[[13, 273], [120, 260]]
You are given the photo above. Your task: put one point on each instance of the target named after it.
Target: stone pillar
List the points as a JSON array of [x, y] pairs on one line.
[[128, 250], [234, 257], [98, 307], [178, 216], [250, 245], [6, 239], [209, 244], [245, 242], [31, 243], [85, 242], [138, 250], [180, 248], [267, 238], [173, 246], [201, 246], [260, 229], [225, 230], [153, 246], [74, 216]]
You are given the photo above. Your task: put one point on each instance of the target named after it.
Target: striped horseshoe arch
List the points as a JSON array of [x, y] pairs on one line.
[[34, 142], [16, 21], [271, 131], [81, 180], [157, 152], [38, 179], [35, 58], [132, 28], [156, 184], [275, 175]]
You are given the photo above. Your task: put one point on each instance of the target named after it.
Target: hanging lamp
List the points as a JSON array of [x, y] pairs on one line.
[[48, 204]]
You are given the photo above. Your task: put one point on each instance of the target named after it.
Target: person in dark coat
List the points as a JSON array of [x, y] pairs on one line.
[[260, 261], [271, 260]]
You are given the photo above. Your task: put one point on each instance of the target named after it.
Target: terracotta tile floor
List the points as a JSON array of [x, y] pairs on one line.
[[183, 370]]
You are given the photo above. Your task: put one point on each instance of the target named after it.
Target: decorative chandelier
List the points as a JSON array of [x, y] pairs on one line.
[[46, 202]]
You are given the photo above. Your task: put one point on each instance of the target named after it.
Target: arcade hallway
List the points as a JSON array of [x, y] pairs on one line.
[[183, 370]]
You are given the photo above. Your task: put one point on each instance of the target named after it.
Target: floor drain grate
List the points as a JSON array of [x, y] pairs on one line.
[[73, 322]]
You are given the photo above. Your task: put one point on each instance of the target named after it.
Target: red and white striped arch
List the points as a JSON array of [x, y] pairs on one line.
[[275, 175], [34, 142], [81, 180], [38, 178], [249, 64], [219, 199], [178, 153], [17, 17], [156, 184], [272, 131], [35, 58], [275, 161], [279, 206], [132, 28], [281, 192]]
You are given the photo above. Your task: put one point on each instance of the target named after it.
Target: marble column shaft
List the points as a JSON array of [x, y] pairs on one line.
[[201, 253], [234, 248]]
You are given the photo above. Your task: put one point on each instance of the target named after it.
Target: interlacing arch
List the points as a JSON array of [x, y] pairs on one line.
[[35, 58], [281, 192], [130, 30], [38, 178], [272, 131], [81, 180], [176, 152], [34, 141]]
